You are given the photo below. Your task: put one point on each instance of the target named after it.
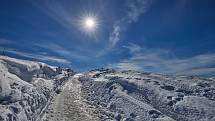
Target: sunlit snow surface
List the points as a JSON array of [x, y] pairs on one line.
[[28, 93], [25, 88], [135, 96], [109, 95]]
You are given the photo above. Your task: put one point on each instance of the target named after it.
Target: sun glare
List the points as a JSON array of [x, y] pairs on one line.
[[90, 23]]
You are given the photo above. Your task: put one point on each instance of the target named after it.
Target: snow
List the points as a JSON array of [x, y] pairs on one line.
[[78, 75], [70, 105], [29, 64], [34, 91], [25, 88], [131, 95]]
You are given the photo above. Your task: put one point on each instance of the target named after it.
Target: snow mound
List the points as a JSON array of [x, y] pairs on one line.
[[136, 96], [25, 88]]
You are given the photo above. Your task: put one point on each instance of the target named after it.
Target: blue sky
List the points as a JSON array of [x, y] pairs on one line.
[[162, 36]]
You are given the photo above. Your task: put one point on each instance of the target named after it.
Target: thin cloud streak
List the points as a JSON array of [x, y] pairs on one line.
[[62, 51], [114, 36], [40, 57], [135, 9], [163, 61], [133, 48]]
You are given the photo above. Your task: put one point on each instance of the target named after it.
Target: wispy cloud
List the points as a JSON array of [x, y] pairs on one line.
[[114, 36], [53, 47], [135, 8], [62, 51], [113, 39], [164, 61], [39, 57], [56, 10], [133, 48]]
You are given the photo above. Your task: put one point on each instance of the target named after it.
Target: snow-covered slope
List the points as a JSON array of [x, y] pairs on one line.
[[29, 91], [108, 95], [25, 88], [135, 96]]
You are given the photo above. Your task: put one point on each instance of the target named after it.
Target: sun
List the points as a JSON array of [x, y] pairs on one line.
[[90, 23]]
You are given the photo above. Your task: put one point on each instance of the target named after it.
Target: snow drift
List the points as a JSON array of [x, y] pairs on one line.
[[25, 88], [32, 91]]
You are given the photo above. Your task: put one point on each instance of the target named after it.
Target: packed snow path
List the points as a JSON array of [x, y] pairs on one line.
[[70, 106]]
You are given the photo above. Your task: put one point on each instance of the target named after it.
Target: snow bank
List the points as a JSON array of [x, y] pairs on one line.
[[25, 88]]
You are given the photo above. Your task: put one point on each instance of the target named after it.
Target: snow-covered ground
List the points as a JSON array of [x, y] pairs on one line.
[[70, 105], [29, 92], [110, 95], [25, 88], [135, 96]]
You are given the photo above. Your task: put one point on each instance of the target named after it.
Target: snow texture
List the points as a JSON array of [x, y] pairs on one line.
[[109, 95], [31, 91], [25, 88]]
